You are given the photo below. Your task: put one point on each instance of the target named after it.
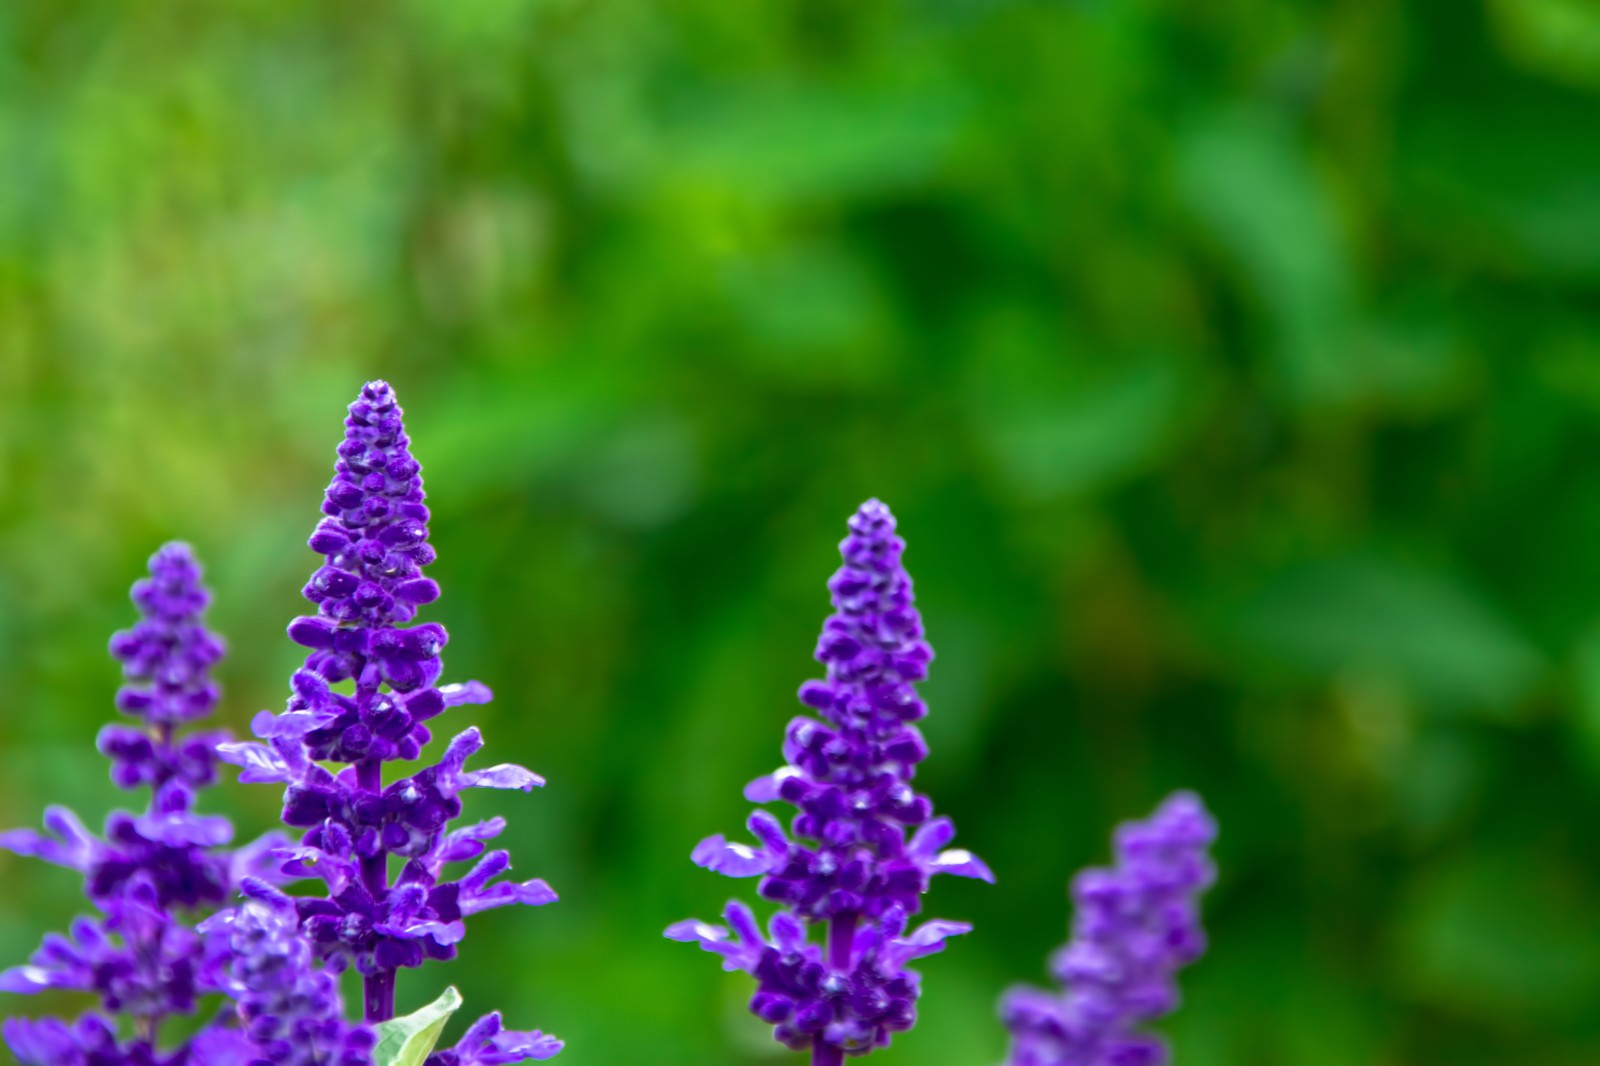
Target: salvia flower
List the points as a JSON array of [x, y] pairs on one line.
[[374, 539], [90, 1041], [1135, 925], [137, 956], [291, 1008], [846, 861], [486, 1043]]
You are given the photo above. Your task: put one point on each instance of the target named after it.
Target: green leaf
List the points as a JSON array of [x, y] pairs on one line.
[[1560, 38], [1249, 178], [407, 1041], [787, 143], [1502, 933], [1057, 423], [1585, 720], [1428, 632]]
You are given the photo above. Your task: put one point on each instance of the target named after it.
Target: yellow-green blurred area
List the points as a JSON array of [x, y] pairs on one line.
[[1233, 368]]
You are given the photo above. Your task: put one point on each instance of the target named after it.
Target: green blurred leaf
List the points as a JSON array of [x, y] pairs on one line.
[[1586, 720], [815, 314], [1103, 428], [643, 474], [1438, 786], [1507, 188], [1415, 362], [1248, 178], [408, 1041], [786, 143], [1555, 37], [1427, 631], [1497, 935], [1057, 423]]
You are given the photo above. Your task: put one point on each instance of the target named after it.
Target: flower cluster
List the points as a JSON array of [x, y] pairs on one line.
[[1135, 925], [846, 861], [369, 685], [291, 1009], [135, 956]]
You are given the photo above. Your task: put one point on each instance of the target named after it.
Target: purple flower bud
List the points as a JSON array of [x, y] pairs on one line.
[[1134, 926]]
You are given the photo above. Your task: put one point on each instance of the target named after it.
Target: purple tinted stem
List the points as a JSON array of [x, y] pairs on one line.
[[378, 987], [841, 939], [841, 944], [164, 734]]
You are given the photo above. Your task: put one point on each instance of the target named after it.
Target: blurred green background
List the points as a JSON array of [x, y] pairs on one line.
[[1232, 367]]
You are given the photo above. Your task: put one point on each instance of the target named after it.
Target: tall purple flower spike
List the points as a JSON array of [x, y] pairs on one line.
[[1135, 926], [375, 539], [846, 862], [138, 957]]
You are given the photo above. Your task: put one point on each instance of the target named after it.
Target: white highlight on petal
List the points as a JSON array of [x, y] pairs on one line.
[[962, 863]]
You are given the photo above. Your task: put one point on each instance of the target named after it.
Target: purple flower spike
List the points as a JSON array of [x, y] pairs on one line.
[[1135, 926], [845, 860], [374, 540], [139, 957]]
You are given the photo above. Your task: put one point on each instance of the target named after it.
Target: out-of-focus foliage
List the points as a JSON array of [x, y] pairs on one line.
[[1234, 369]]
